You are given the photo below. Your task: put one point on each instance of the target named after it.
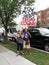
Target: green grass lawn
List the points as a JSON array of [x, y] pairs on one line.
[[38, 57]]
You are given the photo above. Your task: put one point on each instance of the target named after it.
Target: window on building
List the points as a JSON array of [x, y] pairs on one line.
[[38, 14], [47, 18], [47, 12], [44, 19]]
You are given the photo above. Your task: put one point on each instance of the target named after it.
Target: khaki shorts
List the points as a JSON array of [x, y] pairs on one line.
[[26, 46]]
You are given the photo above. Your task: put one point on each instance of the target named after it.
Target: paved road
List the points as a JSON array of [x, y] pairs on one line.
[[8, 57]]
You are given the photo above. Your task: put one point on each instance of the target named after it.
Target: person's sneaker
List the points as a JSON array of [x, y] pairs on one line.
[[17, 53], [21, 53]]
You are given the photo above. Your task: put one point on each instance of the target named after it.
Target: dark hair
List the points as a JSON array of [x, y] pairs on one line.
[[28, 30], [23, 30]]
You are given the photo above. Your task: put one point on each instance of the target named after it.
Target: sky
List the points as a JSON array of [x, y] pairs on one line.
[[41, 4]]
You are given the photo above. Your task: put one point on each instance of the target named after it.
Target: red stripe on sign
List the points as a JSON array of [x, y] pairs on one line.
[[28, 21]]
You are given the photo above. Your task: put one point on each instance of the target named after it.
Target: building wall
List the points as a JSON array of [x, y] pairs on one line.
[[43, 17]]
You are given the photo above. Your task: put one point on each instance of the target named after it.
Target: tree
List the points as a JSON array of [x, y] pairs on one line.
[[8, 10], [38, 23], [12, 24]]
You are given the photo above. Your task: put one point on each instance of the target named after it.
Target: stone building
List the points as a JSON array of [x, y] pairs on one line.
[[43, 17]]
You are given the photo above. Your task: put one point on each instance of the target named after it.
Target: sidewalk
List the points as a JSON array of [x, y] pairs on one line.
[[8, 57]]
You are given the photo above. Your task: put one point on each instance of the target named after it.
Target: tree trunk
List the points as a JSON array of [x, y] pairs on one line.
[[6, 26], [6, 37]]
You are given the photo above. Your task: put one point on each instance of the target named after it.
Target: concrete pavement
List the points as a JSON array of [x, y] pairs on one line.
[[8, 57]]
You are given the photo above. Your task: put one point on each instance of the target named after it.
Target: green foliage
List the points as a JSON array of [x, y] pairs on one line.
[[30, 2], [8, 10], [38, 23], [37, 56], [11, 24], [31, 27]]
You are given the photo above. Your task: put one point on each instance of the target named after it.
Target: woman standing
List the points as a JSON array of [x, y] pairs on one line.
[[27, 36], [19, 42]]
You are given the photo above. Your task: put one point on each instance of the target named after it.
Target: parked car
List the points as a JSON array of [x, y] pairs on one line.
[[40, 38], [11, 33], [46, 27], [1, 31]]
